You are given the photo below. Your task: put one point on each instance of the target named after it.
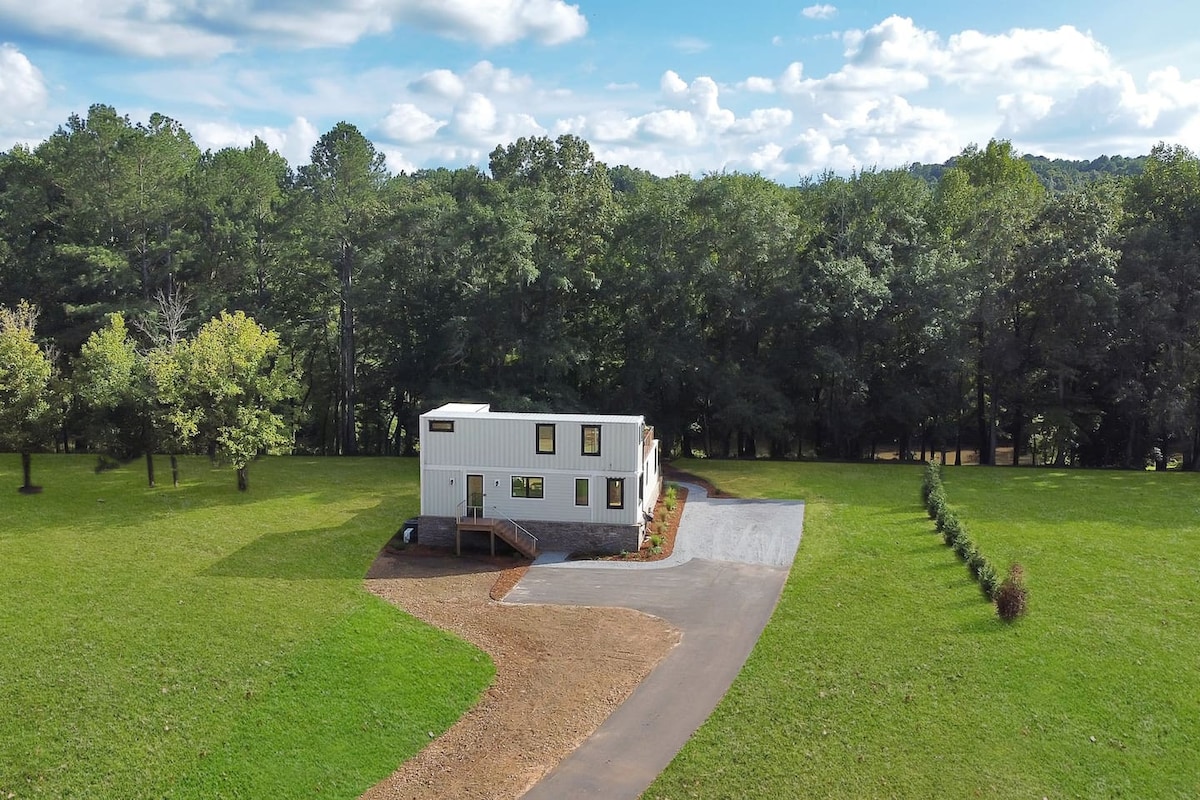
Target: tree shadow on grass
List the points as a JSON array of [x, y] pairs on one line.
[[343, 552]]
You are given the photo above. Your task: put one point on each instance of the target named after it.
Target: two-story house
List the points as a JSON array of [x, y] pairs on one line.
[[558, 482]]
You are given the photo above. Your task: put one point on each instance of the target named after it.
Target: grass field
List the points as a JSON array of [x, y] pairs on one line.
[[884, 673], [195, 642]]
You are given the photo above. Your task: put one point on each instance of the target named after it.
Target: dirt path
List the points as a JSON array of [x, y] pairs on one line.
[[560, 671]]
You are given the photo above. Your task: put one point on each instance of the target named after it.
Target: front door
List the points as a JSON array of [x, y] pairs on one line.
[[475, 496]]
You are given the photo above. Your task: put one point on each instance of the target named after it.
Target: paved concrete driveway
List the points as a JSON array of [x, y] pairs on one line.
[[730, 562]]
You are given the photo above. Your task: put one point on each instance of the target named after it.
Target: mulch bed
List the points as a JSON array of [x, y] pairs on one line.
[[513, 567]]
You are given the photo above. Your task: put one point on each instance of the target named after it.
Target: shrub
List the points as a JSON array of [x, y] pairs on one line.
[[988, 579], [1011, 596], [933, 478], [945, 516], [953, 530], [963, 546], [671, 498], [936, 502], [975, 561], [656, 544]]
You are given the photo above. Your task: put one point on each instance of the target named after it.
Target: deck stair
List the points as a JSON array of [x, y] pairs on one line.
[[501, 528]]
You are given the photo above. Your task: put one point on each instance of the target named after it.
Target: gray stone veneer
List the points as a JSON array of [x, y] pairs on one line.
[[566, 537]]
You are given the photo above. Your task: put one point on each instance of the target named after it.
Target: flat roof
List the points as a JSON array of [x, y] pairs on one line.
[[459, 410]]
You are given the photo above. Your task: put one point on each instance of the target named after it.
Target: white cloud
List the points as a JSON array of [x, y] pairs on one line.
[[792, 80], [702, 95], [823, 11], [485, 77], [149, 28], [672, 84], [493, 22], [407, 123], [762, 119], [22, 88], [475, 117], [477, 120], [757, 84], [765, 158], [295, 142], [127, 26], [397, 161], [440, 82], [671, 125]]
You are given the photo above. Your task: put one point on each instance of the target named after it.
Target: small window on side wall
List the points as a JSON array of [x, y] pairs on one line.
[[616, 492], [545, 438], [441, 426], [591, 440], [582, 492]]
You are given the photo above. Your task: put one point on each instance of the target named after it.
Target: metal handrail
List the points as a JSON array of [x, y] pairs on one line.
[[462, 507], [519, 528]]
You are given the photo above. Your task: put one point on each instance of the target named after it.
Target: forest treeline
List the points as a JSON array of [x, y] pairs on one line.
[[898, 309]]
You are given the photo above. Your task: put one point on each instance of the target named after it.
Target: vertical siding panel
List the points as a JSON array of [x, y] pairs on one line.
[[501, 446]]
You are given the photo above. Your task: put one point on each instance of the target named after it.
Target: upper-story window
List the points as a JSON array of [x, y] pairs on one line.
[[591, 440], [441, 425], [545, 438]]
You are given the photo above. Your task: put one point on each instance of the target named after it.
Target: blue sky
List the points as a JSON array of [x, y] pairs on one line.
[[785, 89]]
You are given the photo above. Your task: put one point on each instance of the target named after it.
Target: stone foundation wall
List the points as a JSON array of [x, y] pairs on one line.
[[566, 537]]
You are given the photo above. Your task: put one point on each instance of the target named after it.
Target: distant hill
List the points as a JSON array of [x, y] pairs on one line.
[[1058, 174]]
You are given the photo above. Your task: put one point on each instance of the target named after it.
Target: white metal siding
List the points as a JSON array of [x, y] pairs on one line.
[[501, 446], [440, 497], [488, 442]]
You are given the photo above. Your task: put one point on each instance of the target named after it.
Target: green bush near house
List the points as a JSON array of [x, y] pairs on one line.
[[199, 642], [885, 672]]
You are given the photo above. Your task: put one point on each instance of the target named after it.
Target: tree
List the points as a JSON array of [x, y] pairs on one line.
[[986, 204], [112, 384], [1159, 276], [565, 195], [238, 196], [124, 225], [231, 371], [26, 418], [344, 185]]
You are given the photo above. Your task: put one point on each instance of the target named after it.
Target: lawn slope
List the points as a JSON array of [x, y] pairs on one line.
[[195, 642], [883, 673]]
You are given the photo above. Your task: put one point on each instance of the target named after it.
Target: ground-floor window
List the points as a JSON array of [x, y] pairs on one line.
[[616, 492], [524, 486], [582, 493]]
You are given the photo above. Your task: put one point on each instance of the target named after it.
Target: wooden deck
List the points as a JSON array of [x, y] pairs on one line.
[[507, 531]]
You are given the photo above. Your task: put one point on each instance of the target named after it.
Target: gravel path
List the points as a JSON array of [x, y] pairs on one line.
[[559, 673], [570, 649]]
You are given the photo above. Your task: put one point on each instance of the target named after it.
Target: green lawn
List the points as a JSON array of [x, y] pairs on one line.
[[884, 673], [201, 643]]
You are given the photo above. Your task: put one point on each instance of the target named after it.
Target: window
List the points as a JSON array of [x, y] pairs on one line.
[[545, 439], [526, 487], [616, 492], [582, 492], [441, 425], [591, 440]]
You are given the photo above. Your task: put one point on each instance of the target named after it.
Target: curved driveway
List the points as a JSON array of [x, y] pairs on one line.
[[719, 587]]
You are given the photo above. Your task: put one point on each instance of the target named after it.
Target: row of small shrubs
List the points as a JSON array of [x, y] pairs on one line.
[[1010, 594]]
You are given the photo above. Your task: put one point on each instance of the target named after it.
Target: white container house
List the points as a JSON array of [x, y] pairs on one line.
[[576, 482]]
